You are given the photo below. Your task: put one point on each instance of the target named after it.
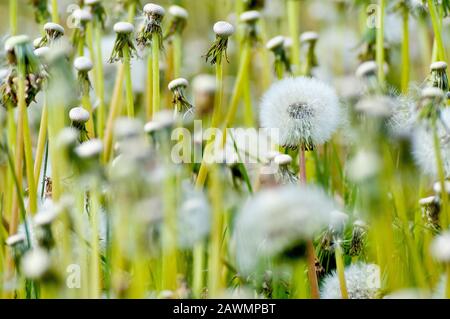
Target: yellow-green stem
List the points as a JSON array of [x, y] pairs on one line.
[[435, 20], [198, 268], [128, 83], [380, 43], [13, 16], [55, 15], [177, 55], [101, 112], [340, 271], [405, 52], [149, 88], [293, 8], [155, 68]]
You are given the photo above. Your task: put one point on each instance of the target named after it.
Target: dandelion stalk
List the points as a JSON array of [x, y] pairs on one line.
[[128, 83], [198, 269], [42, 140], [380, 43], [156, 99], [405, 51], [13, 16], [55, 15], [435, 20], [293, 7], [340, 270]]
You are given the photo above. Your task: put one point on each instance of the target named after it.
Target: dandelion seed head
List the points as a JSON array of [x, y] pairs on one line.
[[79, 115], [178, 83], [35, 263], [363, 166], [438, 65], [178, 12], [376, 106], [89, 149], [282, 159], [13, 41], [303, 110], [362, 281], [432, 93], [277, 219], [82, 15], [42, 52], [365, 69], [275, 43], [15, 239], [423, 146], [67, 137], [250, 16], [54, 27], [123, 27], [154, 9], [403, 117], [83, 64], [440, 247], [309, 36], [223, 29]]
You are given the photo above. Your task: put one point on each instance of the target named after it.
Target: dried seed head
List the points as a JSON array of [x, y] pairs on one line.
[[275, 43], [51, 27], [82, 15], [89, 149], [12, 42], [15, 239], [368, 68], [154, 10], [440, 247], [250, 16], [123, 28], [309, 36], [178, 83], [178, 12], [282, 159], [83, 64], [35, 263], [432, 93], [42, 52], [223, 29], [439, 65], [79, 115]]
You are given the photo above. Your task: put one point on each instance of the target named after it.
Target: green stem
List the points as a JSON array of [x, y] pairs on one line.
[[128, 83], [55, 16], [435, 20], [293, 7], [405, 52], [340, 271], [149, 88], [380, 43], [155, 69], [13, 16], [42, 138], [198, 265], [177, 55], [101, 112], [300, 280]]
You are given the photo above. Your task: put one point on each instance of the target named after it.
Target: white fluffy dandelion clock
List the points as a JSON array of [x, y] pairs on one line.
[[305, 111], [276, 220], [363, 282]]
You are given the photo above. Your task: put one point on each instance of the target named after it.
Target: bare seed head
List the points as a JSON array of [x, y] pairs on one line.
[[83, 64], [178, 83], [309, 36], [79, 115], [367, 68], [178, 12], [250, 16], [15, 239], [223, 29], [282, 159], [12, 42], [89, 149], [51, 27], [154, 9], [82, 15], [275, 43], [439, 65], [123, 28]]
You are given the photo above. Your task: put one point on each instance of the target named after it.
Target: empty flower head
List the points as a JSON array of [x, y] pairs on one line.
[[363, 281], [309, 40], [284, 174], [250, 20], [178, 22], [154, 15], [305, 111], [277, 220], [53, 32], [124, 41], [277, 46], [79, 117], [83, 65], [223, 31], [82, 18], [438, 75], [179, 101], [440, 247]]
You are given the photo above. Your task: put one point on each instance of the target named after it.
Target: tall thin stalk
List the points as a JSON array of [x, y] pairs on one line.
[[380, 43], [293, 9], [156, 99], [13, 16], [405, 51]]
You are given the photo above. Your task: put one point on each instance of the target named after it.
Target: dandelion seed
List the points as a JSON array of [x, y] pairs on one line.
[[305, 112], [362, 281], [276, 220], [223, 31]]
